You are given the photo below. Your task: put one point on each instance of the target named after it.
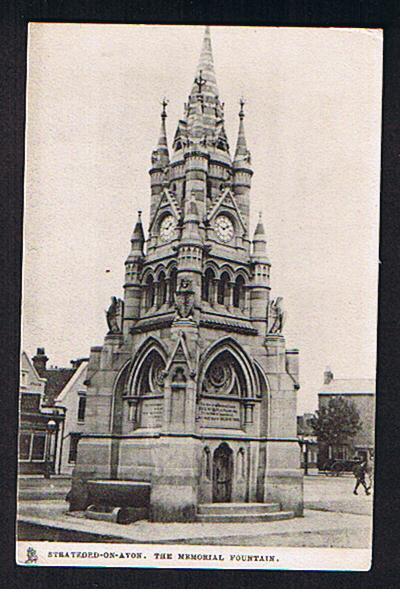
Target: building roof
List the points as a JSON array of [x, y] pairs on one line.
[[349, 386], [56, 378], [36, 383], [71, 382]]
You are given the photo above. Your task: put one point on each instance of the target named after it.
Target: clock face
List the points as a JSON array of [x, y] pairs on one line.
[[224, 229], [167, 227]]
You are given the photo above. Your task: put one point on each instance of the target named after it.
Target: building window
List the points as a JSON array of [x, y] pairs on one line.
[[238, 293], [149, 291], [223, 289], [208, 282], [32, 447], [172, 285], [162, 289], [73, 447], [24, 446], [81, 408], [38, 446], [30, 402]]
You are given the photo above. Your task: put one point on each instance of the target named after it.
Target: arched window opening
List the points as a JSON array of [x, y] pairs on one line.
[[239, 293], [162, 289], [149, 291], [224, 377], [172, 285], [208, 285], [151, 380], [223, 289]]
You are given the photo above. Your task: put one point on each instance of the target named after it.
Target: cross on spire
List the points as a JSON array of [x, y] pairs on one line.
[[200, 81], [164, 104]]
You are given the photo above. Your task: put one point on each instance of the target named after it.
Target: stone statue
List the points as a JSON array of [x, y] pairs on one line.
[[114, 316], [165, 176], [184, 298], [276, 316]]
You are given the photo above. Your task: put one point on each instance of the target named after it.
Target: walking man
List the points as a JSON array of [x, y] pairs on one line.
[[359, 472]]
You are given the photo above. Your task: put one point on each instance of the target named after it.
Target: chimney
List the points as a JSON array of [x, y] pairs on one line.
[[328, 375], [76, 363], [40, 360]]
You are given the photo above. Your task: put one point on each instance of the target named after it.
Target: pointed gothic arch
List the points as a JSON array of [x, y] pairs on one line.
[[228, 346], [208, 282], [173, 282], [239, 294], [149, 290], [223, 289], [150, 347], [161, 289]]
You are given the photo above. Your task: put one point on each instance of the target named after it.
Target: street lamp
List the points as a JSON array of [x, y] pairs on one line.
[[50, 429]]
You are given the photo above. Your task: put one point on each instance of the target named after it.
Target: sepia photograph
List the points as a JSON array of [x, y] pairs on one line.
[[200, 291]]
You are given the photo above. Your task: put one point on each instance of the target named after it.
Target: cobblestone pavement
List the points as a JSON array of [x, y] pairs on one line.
[[333, 517]]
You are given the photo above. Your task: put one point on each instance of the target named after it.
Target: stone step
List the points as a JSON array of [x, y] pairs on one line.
[[41, 483], [51, 492], [267, 517], [238, 508]]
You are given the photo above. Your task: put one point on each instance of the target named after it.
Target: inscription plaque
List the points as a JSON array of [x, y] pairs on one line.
[[151, 414], [218, 414]]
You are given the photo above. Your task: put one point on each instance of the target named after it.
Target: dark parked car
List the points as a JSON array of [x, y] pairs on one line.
[[337, 466]]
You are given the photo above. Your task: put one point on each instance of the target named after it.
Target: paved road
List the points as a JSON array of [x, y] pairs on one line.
[[333, 518], [335, 494]]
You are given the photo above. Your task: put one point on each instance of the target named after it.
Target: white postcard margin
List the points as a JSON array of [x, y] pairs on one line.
[[63, 554]]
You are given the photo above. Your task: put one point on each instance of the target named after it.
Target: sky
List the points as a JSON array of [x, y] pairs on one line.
[[313, 126]]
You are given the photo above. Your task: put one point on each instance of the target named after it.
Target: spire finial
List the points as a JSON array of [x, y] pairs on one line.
[[242, 103], [164, 104], [139, 213], [260, 215]]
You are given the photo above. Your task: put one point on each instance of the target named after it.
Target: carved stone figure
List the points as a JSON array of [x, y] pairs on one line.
[[184, 298], [276, 316], [114, 316]]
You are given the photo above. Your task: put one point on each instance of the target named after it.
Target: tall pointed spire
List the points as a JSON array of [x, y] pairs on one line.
[[242, 153], [137, 239], [160, 156], [205, 70], [259, 240]]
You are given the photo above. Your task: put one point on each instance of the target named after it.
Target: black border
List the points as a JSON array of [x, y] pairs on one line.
[[15, 14]]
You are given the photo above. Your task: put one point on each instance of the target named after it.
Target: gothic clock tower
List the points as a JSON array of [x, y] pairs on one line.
[[193, 391]]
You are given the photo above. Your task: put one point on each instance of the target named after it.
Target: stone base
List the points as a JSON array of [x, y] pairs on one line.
[[286, 488], [174, 482]]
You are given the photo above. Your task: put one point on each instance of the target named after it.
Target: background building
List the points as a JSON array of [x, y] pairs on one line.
[[361, 391], [72, 398], [40, 423], [308, 443], [52, 412]]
